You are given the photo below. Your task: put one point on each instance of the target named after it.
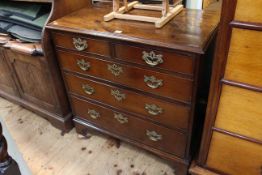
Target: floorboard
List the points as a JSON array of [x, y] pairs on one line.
[[47, 151]]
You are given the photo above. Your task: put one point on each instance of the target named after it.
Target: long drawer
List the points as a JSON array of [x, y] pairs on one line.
[[244, 62], [156, 58], [234, 156], [170, 86], [240, 112], [131, 127], [169, 114]]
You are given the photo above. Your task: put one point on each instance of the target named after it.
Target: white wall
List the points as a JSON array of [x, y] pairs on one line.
[[194, 4]]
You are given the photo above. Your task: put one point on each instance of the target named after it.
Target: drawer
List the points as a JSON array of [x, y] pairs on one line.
[[169, 114], [244, 59], [231, 155], [82, 44], [240, 111], [162, 84], [131, 127], [252, 13], [156, 58]]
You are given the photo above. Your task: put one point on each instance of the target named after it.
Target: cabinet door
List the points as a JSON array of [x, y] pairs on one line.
[[33, 80], [7, 84]]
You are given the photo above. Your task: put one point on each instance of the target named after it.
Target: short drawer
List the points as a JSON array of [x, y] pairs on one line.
[[131, 127], [169, 114], [170, 86], [244, 58], [168, 60], [82, 44], [240, 111], [231, 155]]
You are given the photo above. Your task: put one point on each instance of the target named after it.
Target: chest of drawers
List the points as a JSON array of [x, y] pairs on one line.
[[140, 86], [232, 137]]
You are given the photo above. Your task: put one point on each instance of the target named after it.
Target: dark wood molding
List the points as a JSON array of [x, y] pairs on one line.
[[223, 42], [242, 85], [246, 25], [237, 135]]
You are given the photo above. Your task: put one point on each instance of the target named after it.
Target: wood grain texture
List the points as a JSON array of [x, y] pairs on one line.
[[30, 75], [173, 115], [207, 3], [7, 83], [178, 34], [248, 11], [47, 151], [184, 64], [239, 112], [234, 156], [171, 142], [173, 87], [244, 59], [95, 46]]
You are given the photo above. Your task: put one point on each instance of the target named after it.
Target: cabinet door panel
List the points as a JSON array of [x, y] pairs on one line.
[[32, 77], [6, 81]]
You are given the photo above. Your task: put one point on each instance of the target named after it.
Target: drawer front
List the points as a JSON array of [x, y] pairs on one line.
[[152, 58], [150, 81], [82, 44], [234, 156], [168, 114], [252, 13], [240, 111], [244, 59], [131, 127]]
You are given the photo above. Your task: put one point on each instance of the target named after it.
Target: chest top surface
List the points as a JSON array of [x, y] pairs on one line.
[[189, 31]]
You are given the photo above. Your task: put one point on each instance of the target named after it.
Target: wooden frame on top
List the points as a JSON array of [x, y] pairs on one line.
[[167, 12]]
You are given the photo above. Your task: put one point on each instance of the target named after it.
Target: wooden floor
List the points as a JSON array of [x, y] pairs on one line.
[[47, 151]]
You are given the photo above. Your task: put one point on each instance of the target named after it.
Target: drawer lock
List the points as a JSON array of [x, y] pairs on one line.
[[118, 95], [83, 65], [80, 44], [115, 69], [120, 118]]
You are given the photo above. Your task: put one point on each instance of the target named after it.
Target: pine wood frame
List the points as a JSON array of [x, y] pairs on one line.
[[167, 12]]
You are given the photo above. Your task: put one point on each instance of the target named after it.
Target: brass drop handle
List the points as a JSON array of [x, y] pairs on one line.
[[153, 109], [115, 69], [152, 59], [153, 82], [83, 65], [88, 89], [93, 114], [120, 118], [153, 135], [118, 95], [80, 44]]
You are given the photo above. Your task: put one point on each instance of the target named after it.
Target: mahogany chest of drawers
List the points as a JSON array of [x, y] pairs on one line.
[[135, 82]]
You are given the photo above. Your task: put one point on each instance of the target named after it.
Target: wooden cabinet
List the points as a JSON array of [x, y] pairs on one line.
[[141, 86], [34, 81], [232, 137], [7, 84]]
